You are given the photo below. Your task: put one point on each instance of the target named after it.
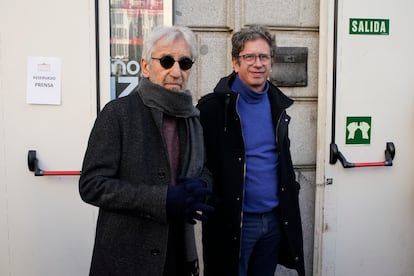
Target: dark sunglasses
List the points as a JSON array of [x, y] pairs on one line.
[[167, 62]]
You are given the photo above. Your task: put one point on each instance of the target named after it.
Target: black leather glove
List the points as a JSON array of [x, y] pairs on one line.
[[186, 200]]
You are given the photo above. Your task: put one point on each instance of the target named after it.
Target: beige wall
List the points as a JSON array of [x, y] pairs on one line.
[[45, 229]]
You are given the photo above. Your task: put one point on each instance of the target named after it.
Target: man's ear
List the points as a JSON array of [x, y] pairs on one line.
[[144, 68], [236, 64]]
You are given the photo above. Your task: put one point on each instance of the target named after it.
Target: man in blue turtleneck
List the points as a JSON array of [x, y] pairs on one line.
[[257, 222], [260, 184]]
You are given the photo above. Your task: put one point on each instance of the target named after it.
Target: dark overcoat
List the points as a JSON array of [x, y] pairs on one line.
[[226, 161], [126, 174]]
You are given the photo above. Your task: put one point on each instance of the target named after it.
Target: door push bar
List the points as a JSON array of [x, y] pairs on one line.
[[335, 155], [33, 167]]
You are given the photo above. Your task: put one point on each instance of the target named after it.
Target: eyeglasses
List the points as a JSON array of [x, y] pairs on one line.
[[168, 61], [250, 59]]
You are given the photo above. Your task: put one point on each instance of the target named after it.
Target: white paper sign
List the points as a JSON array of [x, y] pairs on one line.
[[43, 80]]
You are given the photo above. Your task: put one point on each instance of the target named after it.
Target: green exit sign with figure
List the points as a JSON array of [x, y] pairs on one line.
[[366, 26]]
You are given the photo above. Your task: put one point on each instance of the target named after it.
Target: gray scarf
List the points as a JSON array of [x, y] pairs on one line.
[[180, 105]]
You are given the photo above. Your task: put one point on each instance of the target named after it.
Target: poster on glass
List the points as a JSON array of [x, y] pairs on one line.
[[130, 22]]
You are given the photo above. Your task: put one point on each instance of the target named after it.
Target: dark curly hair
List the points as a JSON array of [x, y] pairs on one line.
[[251, 33]]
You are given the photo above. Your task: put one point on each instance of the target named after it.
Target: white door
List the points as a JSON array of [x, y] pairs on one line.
[[367, 213], [45, 228]]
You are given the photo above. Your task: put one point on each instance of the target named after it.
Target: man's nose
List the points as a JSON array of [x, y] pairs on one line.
[[175, 69]]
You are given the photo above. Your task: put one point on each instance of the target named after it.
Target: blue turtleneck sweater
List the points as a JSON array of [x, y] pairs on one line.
[[261, 179]]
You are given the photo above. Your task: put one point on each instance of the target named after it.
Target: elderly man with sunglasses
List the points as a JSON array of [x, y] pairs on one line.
[[144, 168]]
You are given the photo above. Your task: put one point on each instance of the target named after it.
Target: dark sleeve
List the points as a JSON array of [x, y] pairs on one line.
[[100, 183]]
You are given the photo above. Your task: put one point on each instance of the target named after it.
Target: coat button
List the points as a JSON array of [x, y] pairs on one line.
[[155, 252], [239, 159], [286, 223], [238, 198], [296, 259], [161, 174], [282, 189]]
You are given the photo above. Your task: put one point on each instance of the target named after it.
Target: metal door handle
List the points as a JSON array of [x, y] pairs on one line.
[[336, 155], [32, 163]]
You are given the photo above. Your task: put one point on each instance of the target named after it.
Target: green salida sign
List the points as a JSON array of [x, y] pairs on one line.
[[369, 26]]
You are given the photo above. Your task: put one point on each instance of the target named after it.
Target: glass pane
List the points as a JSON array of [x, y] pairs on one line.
[[130, 21]]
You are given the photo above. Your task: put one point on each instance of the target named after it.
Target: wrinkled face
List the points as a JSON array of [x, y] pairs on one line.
[[254, 74], [173, 78]]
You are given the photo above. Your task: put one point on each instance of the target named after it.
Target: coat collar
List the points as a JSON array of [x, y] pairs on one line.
[[223, 87]]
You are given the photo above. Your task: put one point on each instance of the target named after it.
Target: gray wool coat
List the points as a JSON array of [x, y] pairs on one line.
[[126, 174]]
